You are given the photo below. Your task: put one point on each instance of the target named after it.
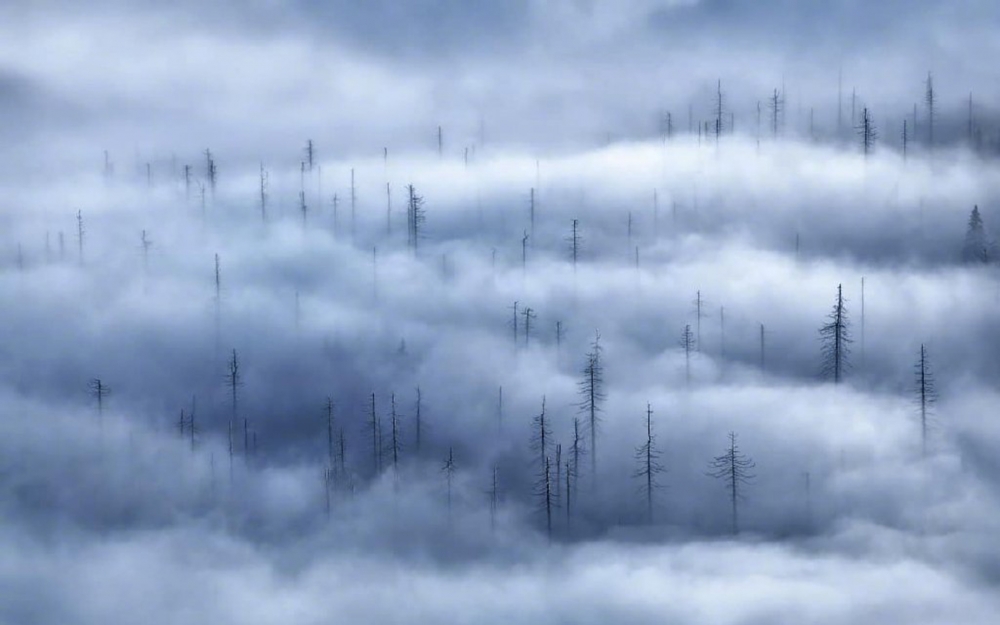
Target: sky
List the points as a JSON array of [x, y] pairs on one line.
[[380, 461]]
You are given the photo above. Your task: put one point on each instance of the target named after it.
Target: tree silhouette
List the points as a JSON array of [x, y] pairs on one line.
[[930, 100], [698, 303], [544, 492], [418, 423], [926, 395], [777, 105], [395, 437], [718, 112], [647, 457], [415, 217], [263, 193], [866, 130], [574, 241], [529, 314], [977, 247], [734, 468], [688, 344], [100, 391], [577, 450], [329, 434], [494, 494], [373, 423], [541, 435], [591, 389], [448, 468], [79, 236], [836, 341], [193, 428]]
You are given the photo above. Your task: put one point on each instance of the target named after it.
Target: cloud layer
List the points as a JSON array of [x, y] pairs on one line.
[[321, 494]]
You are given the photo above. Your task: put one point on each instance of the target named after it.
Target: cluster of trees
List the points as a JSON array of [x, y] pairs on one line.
[[557, 466], [920, 127]]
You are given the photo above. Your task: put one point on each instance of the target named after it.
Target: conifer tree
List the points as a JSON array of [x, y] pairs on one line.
[[648, 460], [734, 468], [926, 395], [977, 247], [836, 340], [590, 388]]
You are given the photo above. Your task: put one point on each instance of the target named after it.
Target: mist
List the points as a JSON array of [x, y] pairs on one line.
[[290, 286]]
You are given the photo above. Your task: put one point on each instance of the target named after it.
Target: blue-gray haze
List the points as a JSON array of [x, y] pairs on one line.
[[550, 112]]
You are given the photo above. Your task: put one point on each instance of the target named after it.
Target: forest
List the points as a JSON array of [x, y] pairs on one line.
[[346, 329]]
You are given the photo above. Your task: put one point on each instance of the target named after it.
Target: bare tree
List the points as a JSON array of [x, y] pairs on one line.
[[734, 468], [931, 102], [193, 428], [688, 344], [577, 450], [302, 199], [762, 361], [777, 105], [591, 389], [181, 424], [418, 423], [867, 132], [79, 236], [541, 435], [524, 253], [376, 437], [574, 243], [836, 340], [648, 459], [328, 483], [100, 391], [234, 380], [926, 395], [514, 322], [529, 314], [395, 437], [699, 315], [718, 111], [218, 303], [415, 217], [329, 434], [448, 468], [494, 494], [263, 193], [388, 210], [500, 410], [531, 212], [557, 466], [544, 492], [341, 453], [210, 170], [570, 486]]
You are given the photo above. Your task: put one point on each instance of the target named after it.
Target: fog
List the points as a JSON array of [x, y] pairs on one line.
[[163, 223]]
